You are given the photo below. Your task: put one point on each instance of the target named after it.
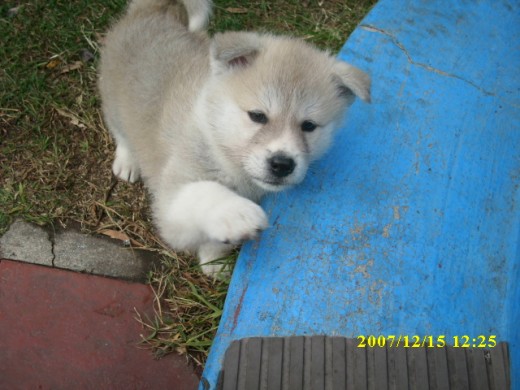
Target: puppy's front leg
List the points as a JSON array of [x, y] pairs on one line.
[[206, 214], [210, 251]]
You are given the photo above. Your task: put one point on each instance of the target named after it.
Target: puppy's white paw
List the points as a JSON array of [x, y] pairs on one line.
[[124, 166], [211, 251], [235, 220], [215, 271]]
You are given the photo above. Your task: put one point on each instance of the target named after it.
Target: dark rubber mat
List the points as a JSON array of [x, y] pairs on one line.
[[336, 363]]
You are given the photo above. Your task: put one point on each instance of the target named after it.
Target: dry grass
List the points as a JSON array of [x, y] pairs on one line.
[[188, 307], [55, 153]]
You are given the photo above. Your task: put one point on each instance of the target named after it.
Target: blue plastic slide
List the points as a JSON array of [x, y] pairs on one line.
[[410, 225]]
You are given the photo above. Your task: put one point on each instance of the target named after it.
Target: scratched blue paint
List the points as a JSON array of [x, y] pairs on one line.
[[411, 224]]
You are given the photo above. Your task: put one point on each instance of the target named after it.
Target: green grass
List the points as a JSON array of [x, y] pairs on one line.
[[49, 109], [324, 23], [55, 153], [193, 309]]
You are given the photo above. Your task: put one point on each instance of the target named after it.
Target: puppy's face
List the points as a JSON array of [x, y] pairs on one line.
[[275, 103]]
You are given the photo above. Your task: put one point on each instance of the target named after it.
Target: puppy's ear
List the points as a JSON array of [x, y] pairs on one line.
[[352, 81], [233, 50]]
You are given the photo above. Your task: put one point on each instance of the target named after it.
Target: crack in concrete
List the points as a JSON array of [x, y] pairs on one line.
[[51, 236], [429, 68]]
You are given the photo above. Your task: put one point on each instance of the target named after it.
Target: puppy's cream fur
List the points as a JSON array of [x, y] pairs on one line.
[[212, 124]]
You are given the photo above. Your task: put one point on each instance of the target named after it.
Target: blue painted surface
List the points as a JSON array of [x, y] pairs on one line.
[[411, 224]]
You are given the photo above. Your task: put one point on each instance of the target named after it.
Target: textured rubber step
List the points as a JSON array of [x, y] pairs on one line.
[[336, 363]]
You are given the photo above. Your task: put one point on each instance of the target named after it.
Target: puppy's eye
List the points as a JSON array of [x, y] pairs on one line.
[[308, 126], [257, 117]]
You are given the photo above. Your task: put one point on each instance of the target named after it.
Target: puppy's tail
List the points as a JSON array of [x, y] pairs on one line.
[[197, 12]]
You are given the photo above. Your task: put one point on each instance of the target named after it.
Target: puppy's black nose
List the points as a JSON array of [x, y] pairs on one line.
[[281, 165]]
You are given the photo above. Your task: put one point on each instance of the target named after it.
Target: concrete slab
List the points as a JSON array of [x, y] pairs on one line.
[[63, 330], [27, 242], [73, 250], [84, 253]]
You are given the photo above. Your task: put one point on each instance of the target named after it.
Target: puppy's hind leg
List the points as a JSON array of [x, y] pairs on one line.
[[125, 165]]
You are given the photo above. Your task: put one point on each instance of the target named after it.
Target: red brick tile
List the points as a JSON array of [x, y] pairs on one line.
[[61, 329]]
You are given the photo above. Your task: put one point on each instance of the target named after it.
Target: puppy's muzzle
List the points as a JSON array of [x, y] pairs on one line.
[[281, 165]]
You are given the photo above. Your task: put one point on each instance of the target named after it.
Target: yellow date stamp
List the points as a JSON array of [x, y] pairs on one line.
[[441, 341]]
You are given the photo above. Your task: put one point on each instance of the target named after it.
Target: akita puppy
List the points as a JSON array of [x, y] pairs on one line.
[[213, 123]]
